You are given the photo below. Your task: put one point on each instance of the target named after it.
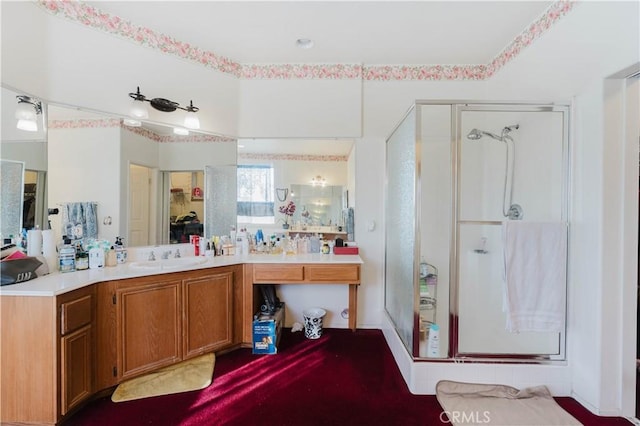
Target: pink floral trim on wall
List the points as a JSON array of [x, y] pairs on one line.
[[84, 123], [293, 157], [302, 71], [141, 131], [424, 72], [93, 17], [116, 122], [556, 11]]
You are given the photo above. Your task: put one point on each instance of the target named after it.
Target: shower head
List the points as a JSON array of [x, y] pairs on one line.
[[476, 134]]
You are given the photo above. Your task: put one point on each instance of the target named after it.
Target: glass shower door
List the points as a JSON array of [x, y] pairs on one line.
[[400, 231], [531, 174]]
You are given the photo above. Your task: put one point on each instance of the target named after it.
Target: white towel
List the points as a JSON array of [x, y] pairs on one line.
[[535, 258]]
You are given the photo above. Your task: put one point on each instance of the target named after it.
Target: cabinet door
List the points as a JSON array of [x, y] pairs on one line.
[[77, 383], [207, 313], [149, 327]]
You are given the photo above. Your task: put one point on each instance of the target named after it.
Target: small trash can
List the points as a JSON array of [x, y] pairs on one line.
[[313, 322]]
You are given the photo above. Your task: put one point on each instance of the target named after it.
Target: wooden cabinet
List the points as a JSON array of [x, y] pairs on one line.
[[208, 316], [149, 325], [150, 322], [77, 316], [47, 360]]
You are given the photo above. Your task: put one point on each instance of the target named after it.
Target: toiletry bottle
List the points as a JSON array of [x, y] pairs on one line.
[[111, 257], [433, 344], [96, 257], [67, 256], [121, 251]]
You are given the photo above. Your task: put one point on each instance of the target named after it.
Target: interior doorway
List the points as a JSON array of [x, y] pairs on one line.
[[139, 205]]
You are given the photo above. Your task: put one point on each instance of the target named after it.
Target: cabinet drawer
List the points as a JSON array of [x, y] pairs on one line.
[[278, 273], [75, 314], [332, 273]]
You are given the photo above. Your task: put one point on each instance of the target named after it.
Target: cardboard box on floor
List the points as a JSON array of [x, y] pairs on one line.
[[267, 330]]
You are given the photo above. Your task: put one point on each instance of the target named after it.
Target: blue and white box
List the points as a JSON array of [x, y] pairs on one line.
[[267, 330]]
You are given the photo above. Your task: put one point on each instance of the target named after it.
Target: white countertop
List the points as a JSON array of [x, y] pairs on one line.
[[57, 283]]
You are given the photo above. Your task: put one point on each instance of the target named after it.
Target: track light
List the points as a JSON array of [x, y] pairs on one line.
[[27, 113], [139, 109]]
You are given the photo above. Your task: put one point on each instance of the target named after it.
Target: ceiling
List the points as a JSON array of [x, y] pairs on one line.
[[350, 32]]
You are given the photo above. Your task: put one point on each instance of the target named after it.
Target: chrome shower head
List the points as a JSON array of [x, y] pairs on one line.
[[474, 135]]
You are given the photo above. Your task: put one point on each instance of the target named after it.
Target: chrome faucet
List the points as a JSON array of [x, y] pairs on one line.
[[152, 256], [177, 255]]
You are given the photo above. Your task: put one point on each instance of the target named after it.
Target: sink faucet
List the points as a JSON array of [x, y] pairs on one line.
[[166, 254], [177, 255], [152, 256]]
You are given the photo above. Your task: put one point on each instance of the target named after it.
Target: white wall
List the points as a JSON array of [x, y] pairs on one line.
[[69, 180], [300, 108]]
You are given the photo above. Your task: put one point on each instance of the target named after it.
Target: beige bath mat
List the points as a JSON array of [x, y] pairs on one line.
[[189, 375], [473, 403]]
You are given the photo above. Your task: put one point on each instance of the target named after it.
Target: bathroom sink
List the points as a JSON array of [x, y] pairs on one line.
[[182, 262], [168, 264]]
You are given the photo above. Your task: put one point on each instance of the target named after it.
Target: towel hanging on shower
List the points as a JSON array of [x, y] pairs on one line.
[[535, 260], [80, 220]]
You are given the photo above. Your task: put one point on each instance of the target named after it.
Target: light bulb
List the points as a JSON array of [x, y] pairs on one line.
[[27, 125], [25, 111], [191, 120], [139, 109]]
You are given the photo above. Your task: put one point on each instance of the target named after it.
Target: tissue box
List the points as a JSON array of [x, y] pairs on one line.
[[345, 250], [267, 330]]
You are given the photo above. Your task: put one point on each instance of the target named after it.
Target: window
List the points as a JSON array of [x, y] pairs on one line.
[[255, 194]]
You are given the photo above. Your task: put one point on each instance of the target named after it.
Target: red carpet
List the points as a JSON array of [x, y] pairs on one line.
[[343, 378]]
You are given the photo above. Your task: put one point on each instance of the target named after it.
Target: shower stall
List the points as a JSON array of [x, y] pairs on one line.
[[456, 171]]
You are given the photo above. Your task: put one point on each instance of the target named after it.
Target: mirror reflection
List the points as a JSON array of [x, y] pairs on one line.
[[151, 186], [22, 147], [296, 186], [133, 174]]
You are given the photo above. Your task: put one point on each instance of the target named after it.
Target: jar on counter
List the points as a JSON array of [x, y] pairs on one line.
[[325, 248], [82, 260]]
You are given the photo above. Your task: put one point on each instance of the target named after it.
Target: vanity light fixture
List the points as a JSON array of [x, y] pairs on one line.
[[319, 181], [139, 108], [27, 113]]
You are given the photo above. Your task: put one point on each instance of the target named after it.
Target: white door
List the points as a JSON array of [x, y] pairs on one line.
[[139, 205]]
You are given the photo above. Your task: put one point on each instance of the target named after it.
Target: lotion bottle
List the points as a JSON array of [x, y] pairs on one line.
[[433, 344]]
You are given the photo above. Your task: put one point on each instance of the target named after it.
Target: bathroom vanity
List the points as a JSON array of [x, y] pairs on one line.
[[66, 337]]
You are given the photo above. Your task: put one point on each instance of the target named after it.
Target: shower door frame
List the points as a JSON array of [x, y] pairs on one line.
[[456, 145]]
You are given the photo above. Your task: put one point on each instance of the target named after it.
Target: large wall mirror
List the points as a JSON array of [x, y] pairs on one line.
[[150, 186], [83, 158], [23, 167], [316, 175]]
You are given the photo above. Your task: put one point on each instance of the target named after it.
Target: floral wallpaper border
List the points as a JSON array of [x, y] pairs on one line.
[[84, 123], [116, 122], [93, 17], [293, 157]]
